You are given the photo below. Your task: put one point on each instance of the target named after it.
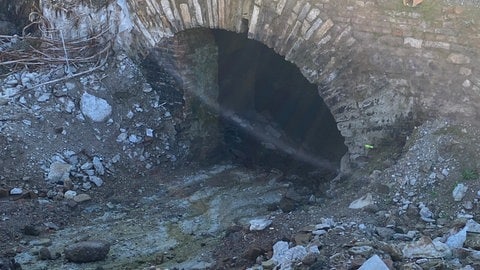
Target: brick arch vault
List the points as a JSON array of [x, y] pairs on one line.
[[369, 106]]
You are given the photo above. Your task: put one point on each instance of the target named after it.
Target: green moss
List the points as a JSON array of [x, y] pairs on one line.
[[469, 174]]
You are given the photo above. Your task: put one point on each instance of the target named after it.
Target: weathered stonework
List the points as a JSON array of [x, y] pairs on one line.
[[379, 65]]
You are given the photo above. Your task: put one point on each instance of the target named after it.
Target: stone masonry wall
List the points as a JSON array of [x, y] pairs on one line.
[[380, 66]]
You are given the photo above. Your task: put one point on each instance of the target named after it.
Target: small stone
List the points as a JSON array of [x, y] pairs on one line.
[[87, 251], [445, 172], [259, 224], [375, 262], [468, 205], [59, 172], [457, 58], [116, 158], [425, 213], [362, 202], [319, 232], [44, 97], [459, 192], [147, 88], [70, 194], [385, 233], [51, 226], [149, 132], [134, 138], [70, 85], [310, 259], [95, 108], [465, 71], [97, 163], [16, 191], [302, 238], [68, 184], [86, 166], [82, 198], [413, 42], [467, 83], [44, 254], [96, 180], [122, 137], [86, 186], [41, 242], [457, 240]]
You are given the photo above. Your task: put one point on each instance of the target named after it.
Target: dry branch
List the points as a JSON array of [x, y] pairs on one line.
[[27, 50]]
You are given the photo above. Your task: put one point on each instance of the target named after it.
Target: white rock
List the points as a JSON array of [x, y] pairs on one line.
[[59, 171], [319, 232], [44, 97], [285, 257], [147, 88], [472, 226], [70, 194], [96, 180], [362, 202], [413, 42], [116, 158], [425, 213], [69, 106], [134, 138], [11, 81], [122, 137], [86, 186], [16, 191], [279, 250], [95, 108], [374, 263], [86, 166], [259, 224], [459, 192], [70, 85], [457, 240], [10, 91], [149, 132], [426, 248], [97, 163]]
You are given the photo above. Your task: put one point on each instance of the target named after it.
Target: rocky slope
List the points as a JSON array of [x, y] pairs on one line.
[[101, 156]]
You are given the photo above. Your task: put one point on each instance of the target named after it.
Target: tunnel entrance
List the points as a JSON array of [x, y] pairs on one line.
[[271, 95], [243, 102]]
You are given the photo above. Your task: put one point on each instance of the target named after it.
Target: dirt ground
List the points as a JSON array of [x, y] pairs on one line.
[[147, 177]]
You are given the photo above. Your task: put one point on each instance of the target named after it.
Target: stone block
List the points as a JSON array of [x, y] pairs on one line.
[[413, 42], [437, 45]]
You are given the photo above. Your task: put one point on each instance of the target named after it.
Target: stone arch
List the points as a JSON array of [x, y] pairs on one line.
[[304, 32], [298, 31]]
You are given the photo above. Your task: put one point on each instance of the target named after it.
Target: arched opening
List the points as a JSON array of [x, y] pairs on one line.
[[265, 113], [270, 93]]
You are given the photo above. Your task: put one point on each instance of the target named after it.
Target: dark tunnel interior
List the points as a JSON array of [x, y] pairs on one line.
[[268, 92]]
